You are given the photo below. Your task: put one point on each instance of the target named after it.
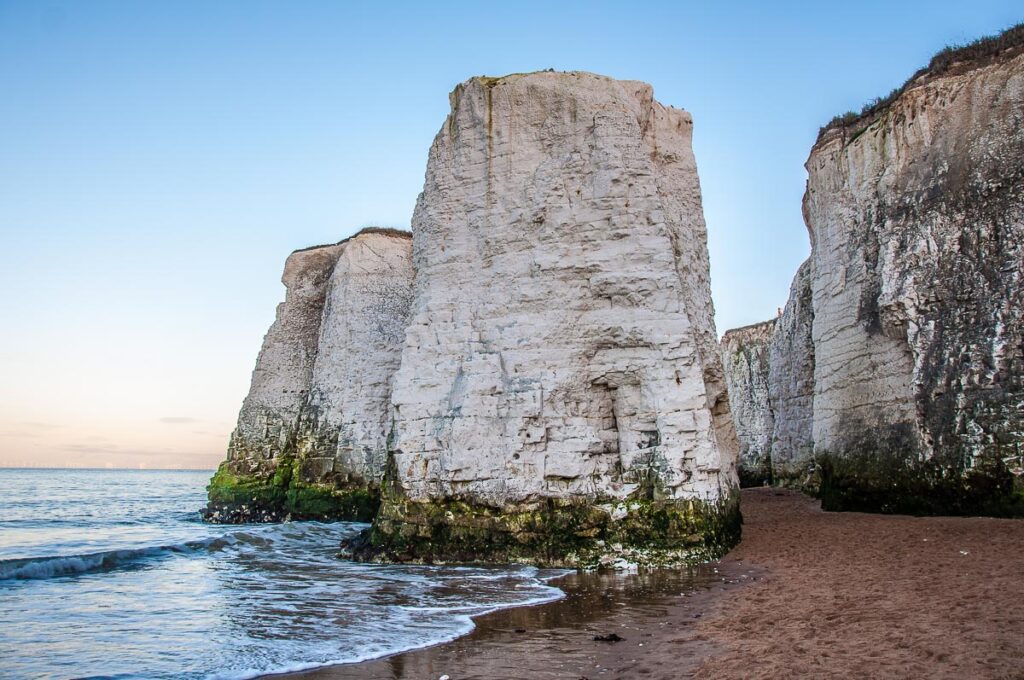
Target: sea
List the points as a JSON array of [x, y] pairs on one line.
[[112, 574]]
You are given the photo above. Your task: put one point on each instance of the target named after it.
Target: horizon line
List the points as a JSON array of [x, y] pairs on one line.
[[104, 469]]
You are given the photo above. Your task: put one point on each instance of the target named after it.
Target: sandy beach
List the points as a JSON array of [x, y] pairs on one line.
[[806, 594]]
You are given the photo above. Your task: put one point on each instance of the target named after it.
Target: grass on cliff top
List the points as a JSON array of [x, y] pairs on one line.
[[976, 54]]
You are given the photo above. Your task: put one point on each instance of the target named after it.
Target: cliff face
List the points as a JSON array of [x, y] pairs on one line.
[[916, 216], [561, 396], [269, 420], [359, 350], [791, 386], [745, 357], [311, 439], [896, 372]]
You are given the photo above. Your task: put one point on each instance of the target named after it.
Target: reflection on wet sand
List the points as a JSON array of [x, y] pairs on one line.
[[556, 640]]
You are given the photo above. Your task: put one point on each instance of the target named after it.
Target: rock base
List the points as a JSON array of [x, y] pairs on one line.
[[281, 494], [881, 482], [755, 473], [552, 533]]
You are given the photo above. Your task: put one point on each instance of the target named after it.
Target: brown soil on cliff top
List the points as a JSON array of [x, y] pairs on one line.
[[806, 594]]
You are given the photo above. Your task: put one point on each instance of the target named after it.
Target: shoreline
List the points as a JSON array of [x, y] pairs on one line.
[[807, 593], [556, 639]]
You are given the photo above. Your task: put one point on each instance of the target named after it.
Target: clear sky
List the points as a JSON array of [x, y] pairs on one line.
[[159, 160]]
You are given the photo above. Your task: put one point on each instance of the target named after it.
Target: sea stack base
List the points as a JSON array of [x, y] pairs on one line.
[[636, 533]]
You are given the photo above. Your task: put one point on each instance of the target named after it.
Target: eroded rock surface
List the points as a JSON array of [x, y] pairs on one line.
[[745, 356], [359, 350], [916, 216], [311, 439], [561, 398], [791, 387], [896, 371], [915, 212]]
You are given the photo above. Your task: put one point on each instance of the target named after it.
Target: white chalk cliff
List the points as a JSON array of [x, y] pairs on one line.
[[360, 347], [791, 385], [897, 371], [916, 218], [745, 356], [561, 356], [311, 439], [540, 380], [269, 419]]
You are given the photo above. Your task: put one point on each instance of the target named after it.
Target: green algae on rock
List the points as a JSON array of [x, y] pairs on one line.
[[553, 532], [285, 493], [884, 470]]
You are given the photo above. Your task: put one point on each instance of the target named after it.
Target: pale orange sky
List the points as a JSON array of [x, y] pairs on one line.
[[132, 358], [103, 403]]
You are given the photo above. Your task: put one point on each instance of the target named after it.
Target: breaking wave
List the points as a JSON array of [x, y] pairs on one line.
[[122, 555], [69, 565]]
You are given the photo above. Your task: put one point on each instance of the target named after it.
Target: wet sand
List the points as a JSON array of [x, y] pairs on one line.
[[653, 613], [806, 594]]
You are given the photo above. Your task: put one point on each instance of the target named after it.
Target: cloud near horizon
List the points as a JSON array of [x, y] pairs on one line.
[[40, 425], [128, 456]]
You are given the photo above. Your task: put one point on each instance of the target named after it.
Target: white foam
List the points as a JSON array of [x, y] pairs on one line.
[[52, 566], [229, 602]]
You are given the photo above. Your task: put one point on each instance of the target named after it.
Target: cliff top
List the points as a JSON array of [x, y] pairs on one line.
[[952, 60], [385, 231], [749, 329], [491, 81]]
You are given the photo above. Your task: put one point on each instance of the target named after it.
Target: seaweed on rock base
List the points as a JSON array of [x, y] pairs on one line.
[[237, 498], [880, 482], [552, 532]]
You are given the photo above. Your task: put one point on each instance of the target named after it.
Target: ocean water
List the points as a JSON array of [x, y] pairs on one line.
[[109, 573]]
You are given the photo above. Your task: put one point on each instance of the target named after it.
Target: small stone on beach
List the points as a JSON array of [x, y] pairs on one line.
[[610, 637]]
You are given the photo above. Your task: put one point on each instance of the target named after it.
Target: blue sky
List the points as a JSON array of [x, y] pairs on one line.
[[158, 161]]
